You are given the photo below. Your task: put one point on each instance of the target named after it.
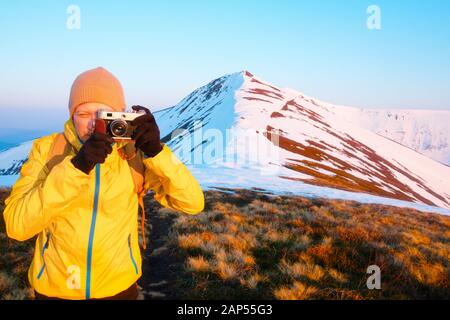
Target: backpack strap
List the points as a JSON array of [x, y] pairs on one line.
[[59, 149], [135, 160]]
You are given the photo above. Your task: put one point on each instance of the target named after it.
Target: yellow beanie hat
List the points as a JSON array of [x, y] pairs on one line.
[[97, 85]]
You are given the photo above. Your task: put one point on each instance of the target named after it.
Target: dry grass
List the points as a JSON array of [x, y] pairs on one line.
[[15, 258], [296, 291], [259, 246], [248, 245], [198, 264]]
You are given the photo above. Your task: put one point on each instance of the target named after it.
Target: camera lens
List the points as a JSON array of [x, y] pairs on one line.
[[119, 128]]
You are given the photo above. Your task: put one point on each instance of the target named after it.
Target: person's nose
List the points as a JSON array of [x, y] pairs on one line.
[[91, 124]]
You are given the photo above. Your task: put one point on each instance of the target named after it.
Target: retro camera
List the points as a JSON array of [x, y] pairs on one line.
[[118, 124]]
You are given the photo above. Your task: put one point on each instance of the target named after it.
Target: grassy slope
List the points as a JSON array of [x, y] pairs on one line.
[[248, 245]]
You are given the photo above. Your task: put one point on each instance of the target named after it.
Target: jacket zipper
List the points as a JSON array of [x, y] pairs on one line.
[[42, 255], [131, 254], [91, 232]]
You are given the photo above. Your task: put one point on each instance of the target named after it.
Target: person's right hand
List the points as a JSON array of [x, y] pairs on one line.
[[94, 150]]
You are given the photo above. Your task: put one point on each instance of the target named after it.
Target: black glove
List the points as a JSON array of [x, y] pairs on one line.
[[146, 133], [94, 150]]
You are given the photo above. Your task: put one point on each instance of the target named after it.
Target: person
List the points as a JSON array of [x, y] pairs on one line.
[[84, 210]]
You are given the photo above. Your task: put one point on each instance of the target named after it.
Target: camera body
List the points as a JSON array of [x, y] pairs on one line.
[[118, 124]]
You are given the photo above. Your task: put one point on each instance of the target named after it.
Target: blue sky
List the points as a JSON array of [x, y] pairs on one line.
[[163, 50]]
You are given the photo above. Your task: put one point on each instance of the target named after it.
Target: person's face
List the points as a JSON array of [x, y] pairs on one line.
[[84, 118]]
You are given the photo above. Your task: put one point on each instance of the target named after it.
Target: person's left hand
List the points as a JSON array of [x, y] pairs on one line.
[[146, 134]]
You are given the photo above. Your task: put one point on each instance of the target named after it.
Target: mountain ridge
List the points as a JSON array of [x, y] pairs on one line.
[[308, 141]]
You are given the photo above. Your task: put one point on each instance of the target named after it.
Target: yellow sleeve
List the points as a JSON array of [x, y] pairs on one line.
[[38, 196], [173, 184]]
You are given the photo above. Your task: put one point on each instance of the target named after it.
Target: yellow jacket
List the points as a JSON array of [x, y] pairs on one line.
[[87, 225]]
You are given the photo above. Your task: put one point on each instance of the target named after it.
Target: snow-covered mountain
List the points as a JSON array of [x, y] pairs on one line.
[[12, 159], [5, 146], [425, 131], [240, 131]]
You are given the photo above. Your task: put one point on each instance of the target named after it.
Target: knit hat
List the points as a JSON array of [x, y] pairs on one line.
[[97, 85]]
